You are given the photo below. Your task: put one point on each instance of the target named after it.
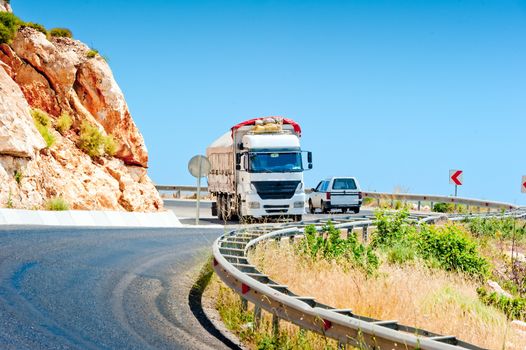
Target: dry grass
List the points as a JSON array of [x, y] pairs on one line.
[[438, 301], [242, 323]]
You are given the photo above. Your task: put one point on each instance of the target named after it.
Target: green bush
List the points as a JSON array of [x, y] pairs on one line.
[[64, 123], [9, 24], [452, 249], [18, 176], [36, 26], [57, 204], [61, 32], [448, 248], [503, 228], [91, 140], [444, 208], [92, 53], [401, 253], [329, 245], [110, 145], [42, 123], [391, 228], [513, 308]]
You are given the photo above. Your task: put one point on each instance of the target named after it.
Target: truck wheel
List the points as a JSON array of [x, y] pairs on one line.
[[311, 207], [214, 208], [219, 205], [297, 218], [356, 210], [227, 206]]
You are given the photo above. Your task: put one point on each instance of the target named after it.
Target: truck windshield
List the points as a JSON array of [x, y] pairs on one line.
[[275, 162]]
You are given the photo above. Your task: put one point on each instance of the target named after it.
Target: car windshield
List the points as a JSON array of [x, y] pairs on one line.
[[275, 162], [344, 184]]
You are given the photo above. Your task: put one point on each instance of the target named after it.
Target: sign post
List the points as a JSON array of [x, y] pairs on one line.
[[198, 166], [456, 177]]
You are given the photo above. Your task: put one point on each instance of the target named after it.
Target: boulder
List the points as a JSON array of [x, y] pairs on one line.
[[18, 134]]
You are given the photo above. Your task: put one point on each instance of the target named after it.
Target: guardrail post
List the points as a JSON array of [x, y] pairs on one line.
[[341, 345], [431, 205], [378, 202], [244, 304], [365, 235], [275, 325], [419, 204], [257, 316]]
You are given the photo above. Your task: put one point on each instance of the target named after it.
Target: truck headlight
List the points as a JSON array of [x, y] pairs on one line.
[[253, 205], [299, 204]]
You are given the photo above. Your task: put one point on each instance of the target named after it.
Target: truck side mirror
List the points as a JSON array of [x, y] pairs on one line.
[[309, 158], [238, 161], [238, 166], [310, 165]]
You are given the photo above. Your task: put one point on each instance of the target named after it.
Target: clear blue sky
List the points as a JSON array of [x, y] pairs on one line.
[[393, 92]]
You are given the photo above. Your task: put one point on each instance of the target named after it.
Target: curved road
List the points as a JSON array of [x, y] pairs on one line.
[[105, 288], [101, 289]]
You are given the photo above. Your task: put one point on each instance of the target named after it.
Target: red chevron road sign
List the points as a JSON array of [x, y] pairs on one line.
[[523, 184], [456, 177]]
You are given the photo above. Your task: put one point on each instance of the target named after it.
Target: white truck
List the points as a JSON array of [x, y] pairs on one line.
[[257, 170]]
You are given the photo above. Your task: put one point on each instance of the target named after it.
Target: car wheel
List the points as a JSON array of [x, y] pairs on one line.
[[311, 207], [324, 208]]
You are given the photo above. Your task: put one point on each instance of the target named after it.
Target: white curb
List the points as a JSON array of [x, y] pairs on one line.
[[85, 218]]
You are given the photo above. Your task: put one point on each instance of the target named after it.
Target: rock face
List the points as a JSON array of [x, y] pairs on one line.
[[58, 77], [4, 6]]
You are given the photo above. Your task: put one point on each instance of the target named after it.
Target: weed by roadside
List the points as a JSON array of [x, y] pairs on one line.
[[57, 204], [329, 245]]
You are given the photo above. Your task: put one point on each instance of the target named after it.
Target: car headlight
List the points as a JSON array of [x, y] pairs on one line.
[[299, 204], [253, 205]]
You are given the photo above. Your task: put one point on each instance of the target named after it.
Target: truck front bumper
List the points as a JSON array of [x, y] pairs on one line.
[[256, 207]]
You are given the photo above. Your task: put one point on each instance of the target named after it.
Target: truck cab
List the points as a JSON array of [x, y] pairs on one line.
[[267, 178]]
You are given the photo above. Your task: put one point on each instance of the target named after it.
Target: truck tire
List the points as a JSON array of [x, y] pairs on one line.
[[214, 208], [311, 207], [227, 210], [219, 205], [297, 218], [356, 210]]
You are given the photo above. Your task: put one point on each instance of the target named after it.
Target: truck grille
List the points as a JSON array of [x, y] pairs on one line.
[[276, 189]]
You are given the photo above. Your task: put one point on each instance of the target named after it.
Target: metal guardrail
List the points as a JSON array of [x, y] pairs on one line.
[[231, 264], [387, 196], [440, 199]]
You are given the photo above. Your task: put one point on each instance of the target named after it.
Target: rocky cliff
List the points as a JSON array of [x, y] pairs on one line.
[[73, 87]]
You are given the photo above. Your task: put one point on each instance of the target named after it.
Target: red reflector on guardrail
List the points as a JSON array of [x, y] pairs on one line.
[[244, 288], [326, 325], [215, 262]]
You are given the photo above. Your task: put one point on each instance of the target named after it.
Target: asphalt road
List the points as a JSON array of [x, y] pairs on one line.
[[102, 289], [186, 209], [106, 288]]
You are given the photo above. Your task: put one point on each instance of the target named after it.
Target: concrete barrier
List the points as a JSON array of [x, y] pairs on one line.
[[84, 218]]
